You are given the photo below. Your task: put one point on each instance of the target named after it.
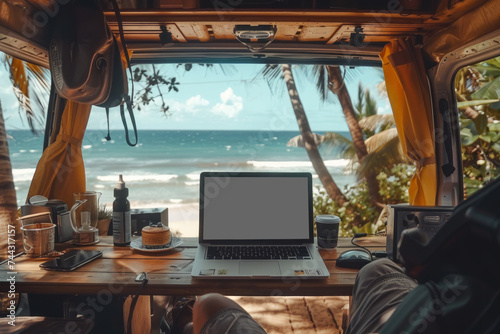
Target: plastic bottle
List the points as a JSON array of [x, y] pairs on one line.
[[121, 215]]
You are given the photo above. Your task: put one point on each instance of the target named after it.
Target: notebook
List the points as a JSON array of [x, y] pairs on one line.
[[257, 225]]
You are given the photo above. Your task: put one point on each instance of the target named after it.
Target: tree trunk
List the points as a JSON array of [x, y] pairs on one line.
[[9, 227], [339, 89], [309, 143]]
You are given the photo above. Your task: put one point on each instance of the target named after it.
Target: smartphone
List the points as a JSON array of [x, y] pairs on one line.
[[71, 260]]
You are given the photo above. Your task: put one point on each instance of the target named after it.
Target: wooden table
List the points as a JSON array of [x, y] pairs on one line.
[[169, 274]]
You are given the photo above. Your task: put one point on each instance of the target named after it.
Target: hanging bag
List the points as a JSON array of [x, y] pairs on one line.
[[81, 53], [85, 60]]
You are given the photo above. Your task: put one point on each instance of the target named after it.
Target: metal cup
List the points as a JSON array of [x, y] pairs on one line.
[[38, 236]]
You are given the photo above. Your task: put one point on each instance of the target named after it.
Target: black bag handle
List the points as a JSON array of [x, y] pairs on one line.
[[108, 137], [132, 119], [128, 99]]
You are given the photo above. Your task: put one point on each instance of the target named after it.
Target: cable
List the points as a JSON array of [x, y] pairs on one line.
[[361, 235], [134, 302]]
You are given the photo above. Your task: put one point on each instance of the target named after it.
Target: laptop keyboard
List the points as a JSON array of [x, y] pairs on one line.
[[257, 252]]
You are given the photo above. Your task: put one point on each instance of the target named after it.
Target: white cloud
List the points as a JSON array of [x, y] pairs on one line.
[[230, 106], [191, 105]]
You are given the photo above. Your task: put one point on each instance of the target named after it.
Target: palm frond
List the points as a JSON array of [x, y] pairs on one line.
[[374, 122], [382, 89], [370, 105], [380, 139], [227, 69], [31, 87], [386, 154], [336, 141], [321, 76], [272, 74], [352, 73], [466, 104], [25, 104], [18, 75]]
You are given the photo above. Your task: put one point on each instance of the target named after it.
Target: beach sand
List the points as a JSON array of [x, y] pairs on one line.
[[183, 220]]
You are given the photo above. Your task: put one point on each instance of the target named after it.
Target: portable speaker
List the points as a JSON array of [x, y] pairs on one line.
[[142, 217], [403, 216]]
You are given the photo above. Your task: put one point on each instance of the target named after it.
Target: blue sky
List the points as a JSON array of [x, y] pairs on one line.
[[209, 99]]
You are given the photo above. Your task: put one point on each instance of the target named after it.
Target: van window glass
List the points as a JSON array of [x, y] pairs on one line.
[[234, 117], [477, 89]]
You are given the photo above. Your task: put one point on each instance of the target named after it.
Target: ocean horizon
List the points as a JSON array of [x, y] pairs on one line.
[[163, 169]]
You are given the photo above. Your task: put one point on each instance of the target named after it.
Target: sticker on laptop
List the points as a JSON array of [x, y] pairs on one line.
[[222, 272], [313, 272], [207, 272], [299, 272]]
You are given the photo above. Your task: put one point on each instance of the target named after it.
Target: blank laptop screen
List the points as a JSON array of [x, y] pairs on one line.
[[256, 207]]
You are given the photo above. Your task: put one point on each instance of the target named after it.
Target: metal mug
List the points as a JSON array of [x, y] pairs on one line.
[[38, 234]]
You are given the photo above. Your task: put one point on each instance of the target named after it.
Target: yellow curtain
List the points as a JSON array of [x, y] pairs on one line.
[[60, 171], [408, 90]]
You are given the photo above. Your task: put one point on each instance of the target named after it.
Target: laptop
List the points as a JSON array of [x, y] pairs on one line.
[[257, 225]]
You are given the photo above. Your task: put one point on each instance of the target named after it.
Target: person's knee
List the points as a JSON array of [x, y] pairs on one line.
[[377, 268], [208, 306], [207, 302], [381, 267], [213, 302]]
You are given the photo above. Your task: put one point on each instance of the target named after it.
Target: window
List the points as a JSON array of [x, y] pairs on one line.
[[477, 89], [234, 118]]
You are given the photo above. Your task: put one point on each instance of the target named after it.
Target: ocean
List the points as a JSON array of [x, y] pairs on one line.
[[163, 169]]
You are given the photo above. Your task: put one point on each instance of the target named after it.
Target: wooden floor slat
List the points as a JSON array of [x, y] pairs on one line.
[[297, 315]]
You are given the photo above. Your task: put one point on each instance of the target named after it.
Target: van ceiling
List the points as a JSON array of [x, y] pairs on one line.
[[317, 31]]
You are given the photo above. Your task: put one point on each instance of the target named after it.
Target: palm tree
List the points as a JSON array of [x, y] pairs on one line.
[[309, 141], [330, 78], [271, 73], [382, 141]]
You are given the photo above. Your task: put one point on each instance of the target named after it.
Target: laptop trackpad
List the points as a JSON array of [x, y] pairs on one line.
[[259, 268]]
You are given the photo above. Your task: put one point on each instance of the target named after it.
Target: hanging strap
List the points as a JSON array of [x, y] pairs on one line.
[[108, 137], [128, 98], [122, 38], [132, 119]]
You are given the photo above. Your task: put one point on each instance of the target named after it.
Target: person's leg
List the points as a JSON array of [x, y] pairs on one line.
[[214, 313], [379, 288]]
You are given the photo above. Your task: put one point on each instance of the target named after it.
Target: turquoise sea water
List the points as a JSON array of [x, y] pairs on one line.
[[163, 169]]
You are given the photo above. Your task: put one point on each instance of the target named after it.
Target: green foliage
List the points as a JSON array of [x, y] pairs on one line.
[[152, 83], [358, 214], [477, 88], [104, 213]]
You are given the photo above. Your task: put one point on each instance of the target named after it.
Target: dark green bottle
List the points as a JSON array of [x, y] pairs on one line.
[[122, 230]]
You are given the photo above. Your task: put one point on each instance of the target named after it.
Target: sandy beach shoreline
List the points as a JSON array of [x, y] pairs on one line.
[[183, 220]]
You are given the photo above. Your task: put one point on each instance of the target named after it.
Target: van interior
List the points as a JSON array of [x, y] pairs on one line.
[[440, 60]]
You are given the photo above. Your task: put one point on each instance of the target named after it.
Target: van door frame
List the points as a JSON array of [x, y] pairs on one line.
[[450, 189]]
